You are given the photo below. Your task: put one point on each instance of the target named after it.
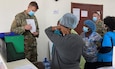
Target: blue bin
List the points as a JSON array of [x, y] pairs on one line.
[[2, 35]]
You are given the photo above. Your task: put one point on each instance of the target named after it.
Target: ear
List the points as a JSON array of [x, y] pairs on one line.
[[89, 29]]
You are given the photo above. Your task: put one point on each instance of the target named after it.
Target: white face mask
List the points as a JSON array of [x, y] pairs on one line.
[[85, 29], [94, 19]]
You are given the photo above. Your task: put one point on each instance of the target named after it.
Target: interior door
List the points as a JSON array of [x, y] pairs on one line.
[[85, 11]]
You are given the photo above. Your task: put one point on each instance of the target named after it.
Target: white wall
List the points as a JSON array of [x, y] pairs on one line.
[[48, 14]]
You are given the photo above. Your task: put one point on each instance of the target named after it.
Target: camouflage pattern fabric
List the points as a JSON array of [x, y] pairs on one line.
[[29, 40], [100, 27], [100, 30]]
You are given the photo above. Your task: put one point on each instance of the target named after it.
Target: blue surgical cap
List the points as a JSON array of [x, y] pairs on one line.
[[69, 20], [90, 24]]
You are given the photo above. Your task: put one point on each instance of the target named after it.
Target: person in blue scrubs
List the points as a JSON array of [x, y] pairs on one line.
[[90, 37], [106, 52]]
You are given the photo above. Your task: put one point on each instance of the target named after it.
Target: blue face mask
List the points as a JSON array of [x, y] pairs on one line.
[[85, 29], [31, 13], [94, 19]]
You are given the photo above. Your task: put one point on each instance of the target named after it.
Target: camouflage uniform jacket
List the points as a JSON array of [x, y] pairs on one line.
[[18, 27], [100, 27]]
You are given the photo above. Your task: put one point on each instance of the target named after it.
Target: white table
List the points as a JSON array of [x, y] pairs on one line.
[[20, 64]]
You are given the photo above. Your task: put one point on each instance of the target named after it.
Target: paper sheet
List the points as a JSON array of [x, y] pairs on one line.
[[76, 12], [84, 13], [32, 23], [29, 66]]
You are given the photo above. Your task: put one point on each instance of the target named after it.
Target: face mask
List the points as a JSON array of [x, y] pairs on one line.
[[31, 13], [85, 29], [95, 19]]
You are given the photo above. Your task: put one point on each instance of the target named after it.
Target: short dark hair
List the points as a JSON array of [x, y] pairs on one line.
[[33, 3], [110, 22]]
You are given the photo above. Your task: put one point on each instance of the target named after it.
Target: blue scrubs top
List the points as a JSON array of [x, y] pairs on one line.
[[107, 57]]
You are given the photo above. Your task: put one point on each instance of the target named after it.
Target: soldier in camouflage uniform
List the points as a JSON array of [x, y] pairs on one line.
[[99, 24], [20, 26], [100, 27]]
